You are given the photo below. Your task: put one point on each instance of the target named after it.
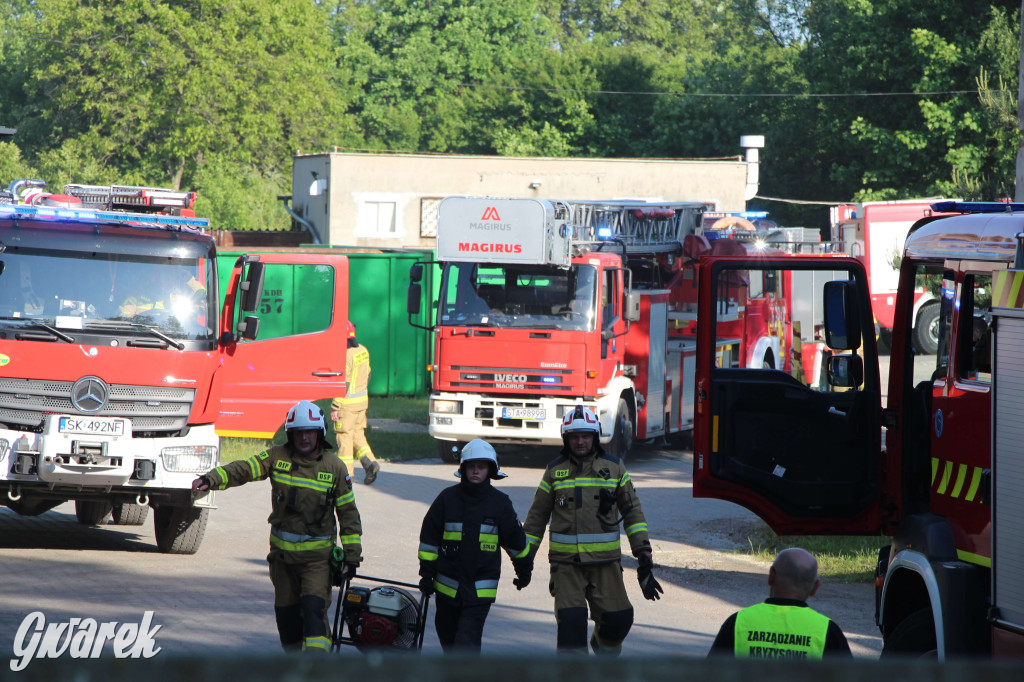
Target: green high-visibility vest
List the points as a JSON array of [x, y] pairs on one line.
[[776, 631]]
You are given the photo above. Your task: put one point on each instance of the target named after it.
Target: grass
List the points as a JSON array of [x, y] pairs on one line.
[[386, 445], [841, 559]]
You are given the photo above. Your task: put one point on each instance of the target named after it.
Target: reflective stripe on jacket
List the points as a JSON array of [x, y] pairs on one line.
[[460, 537], [357, 377], [572, 494], [307, 497]]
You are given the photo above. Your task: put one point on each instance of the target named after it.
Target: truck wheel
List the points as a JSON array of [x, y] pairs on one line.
[[769, 360], [92, 512], [448, 451], [926, 331], [915, 636], [129, 514], [179, 530], [622, 436]]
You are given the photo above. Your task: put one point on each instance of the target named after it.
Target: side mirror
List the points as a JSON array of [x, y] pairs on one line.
[[416, 272], [846, 371], [412, 298], [249, 328], [632, 312], [252, 286], [842, 315]]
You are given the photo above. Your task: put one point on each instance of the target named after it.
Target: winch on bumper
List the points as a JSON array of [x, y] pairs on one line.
[[92, 451]]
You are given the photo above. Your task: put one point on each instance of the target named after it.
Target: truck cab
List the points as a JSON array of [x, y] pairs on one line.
[[833, 459], [121, 367]]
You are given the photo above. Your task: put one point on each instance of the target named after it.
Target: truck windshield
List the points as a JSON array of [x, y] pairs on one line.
[[74, 289], [518, 296]]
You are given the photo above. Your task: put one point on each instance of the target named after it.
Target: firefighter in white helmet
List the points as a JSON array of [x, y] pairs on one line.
[[310, 488], [459, 542], [586, 494]]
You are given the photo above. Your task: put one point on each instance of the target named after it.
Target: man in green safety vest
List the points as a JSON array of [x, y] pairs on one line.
[[783, 626]]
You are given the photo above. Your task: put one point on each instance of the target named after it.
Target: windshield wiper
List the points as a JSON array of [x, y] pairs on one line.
[[53, 330], [34, 323], [124, 324]]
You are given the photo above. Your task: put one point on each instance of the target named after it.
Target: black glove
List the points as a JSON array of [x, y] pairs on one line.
[[522, 579], [648, 583], [348, 570], [427, 586]]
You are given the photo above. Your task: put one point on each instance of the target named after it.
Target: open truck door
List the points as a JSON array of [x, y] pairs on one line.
[[799, 444], [284, 334]]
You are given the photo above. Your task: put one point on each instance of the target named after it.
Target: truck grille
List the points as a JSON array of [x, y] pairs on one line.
[[153, 410], [539, 380]]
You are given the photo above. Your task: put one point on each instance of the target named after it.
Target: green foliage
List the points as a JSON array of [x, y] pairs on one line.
[[12, 165], [917, 97], [147, 90]]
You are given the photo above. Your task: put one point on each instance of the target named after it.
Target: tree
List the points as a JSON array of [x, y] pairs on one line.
[[147, 89]]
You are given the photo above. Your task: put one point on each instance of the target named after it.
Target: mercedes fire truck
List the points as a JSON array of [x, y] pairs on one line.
[[118, 366]]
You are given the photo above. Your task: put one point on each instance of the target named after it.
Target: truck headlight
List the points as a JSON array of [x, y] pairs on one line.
[[189, 459], [446, 406]]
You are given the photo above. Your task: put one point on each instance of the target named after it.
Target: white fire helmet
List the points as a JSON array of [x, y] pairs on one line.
[[581, 420], [478, 449], [306, 415]]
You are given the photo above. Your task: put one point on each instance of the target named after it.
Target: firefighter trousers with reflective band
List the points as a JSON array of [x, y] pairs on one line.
[[350, 430], [302, 593], [460, 626], [599, 587]]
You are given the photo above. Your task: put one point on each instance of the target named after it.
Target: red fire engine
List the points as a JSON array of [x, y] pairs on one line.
[[118, 368], [830, 460], [548, 304]]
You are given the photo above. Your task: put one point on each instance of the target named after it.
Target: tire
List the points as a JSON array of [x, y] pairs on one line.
[[769, 360], [449, 451], [622, 435], [914, 637], [92, 512], [180, 530], [130, 514], [926, 331]]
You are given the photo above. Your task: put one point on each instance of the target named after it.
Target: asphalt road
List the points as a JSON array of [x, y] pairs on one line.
[[220, 600]]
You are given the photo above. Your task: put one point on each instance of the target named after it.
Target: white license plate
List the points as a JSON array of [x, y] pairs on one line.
[[529, 413], [92, 426]]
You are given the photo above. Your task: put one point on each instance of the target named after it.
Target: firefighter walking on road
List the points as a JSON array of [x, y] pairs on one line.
[[309, 489], [349, 412], [459, 541], [586, 494]]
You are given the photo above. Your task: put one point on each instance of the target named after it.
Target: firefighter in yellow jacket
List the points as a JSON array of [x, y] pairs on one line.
[[586, 494], [309, 488], [349, 413]]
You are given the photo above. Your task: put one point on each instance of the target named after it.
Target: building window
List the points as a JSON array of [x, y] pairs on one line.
[[380, 218], [428, 216]]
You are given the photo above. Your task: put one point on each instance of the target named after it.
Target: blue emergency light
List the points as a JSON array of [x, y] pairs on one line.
[[605, 233], [50, 213], [976, 207]]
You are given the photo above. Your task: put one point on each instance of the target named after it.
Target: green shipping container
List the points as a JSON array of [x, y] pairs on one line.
[[296, 299]]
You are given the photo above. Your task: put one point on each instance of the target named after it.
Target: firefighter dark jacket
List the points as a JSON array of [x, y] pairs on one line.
[[306, 497], [586, 499], [460, 537]]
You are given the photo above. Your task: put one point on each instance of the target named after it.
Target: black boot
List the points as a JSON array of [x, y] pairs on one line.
[[371, 473]]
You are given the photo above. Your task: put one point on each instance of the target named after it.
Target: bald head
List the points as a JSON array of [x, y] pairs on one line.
[[793, 575]]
